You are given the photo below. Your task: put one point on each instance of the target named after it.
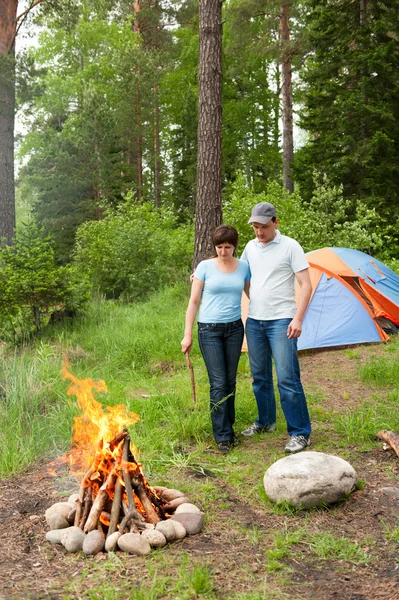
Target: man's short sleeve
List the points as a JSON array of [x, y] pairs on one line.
[[298, 259]]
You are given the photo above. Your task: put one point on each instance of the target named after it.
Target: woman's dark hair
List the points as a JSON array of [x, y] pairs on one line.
[[225, 234]]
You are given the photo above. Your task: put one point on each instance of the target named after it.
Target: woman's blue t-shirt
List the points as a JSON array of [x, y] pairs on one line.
[[221, 296]]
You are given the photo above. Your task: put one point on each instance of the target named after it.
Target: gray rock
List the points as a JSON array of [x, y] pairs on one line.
[[57, 521], [154, 537], [169, 494], [112, 541], [391, 491], [193, 522], [173, 504], [309, 479], [94, 542], [187, 508], [134, 543], [62, 508], [54, 536], [166, 527], [72, 539], [72, 498], [180, 530]]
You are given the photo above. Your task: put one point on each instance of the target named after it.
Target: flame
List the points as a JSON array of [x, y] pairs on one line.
[[96, 427]]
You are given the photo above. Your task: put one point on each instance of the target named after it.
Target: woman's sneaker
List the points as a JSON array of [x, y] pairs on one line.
[[225, 446], [255, 428], [297, 443]]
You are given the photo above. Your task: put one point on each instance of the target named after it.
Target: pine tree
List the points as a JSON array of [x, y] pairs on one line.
[[351, 111]]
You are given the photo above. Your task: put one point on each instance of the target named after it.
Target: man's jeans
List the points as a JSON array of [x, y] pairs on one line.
[[220, 345], [266, 339]]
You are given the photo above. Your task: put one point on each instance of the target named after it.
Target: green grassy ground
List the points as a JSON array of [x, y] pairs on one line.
[[136, 350]]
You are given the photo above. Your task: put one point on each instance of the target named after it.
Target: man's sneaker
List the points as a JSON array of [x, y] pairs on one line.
[[255, 428], [297, 443], [225, 446]]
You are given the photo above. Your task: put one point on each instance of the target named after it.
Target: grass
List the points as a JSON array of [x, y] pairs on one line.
[[326, 546], [136, 351]]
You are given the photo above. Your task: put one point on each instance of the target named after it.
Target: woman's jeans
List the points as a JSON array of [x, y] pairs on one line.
[[220, 345], [267, 339]]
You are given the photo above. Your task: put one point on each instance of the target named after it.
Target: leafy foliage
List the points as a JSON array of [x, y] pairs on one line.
[[33, 286], [328, 219], [134, 250]]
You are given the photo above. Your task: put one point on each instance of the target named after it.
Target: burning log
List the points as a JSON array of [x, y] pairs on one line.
[[99, 502], [115, 493], [116, 508]]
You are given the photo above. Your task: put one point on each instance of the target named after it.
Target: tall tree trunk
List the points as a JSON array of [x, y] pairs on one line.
[[286, 81], [363, 12], [276, 118], [157, 158], [8, 20], [157, 149], [208, 214], [137, 145]]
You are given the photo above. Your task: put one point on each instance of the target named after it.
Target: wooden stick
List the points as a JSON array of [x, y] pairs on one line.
[[84, 484], [79, 502], [116, 508], [87, 506], [190, 366], [100, 501], [128, 518], [152, 516], [117, 439], [132, 511], [390, 438]]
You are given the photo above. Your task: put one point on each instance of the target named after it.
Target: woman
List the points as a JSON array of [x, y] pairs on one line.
[[219, 283]]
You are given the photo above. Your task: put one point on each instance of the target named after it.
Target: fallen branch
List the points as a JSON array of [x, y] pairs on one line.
[[390, 438]]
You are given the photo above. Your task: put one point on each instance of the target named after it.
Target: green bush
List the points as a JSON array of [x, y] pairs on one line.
[[327, 220], [134, 250], [33, 286]]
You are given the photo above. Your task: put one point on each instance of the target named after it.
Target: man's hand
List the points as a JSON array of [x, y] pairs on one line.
[[294, 329]]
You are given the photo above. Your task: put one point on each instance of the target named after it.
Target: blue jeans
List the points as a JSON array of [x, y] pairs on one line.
[[267, 339], [220, 345]]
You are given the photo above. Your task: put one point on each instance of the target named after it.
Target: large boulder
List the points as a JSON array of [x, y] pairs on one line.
[[309, 479]]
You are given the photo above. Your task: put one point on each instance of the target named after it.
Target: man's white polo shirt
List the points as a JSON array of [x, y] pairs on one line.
[[273, 267]]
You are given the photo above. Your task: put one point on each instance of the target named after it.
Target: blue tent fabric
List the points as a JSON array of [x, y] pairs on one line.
[[362, 264], [336, 317]]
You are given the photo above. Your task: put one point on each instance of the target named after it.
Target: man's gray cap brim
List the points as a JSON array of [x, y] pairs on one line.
[[262, 220]]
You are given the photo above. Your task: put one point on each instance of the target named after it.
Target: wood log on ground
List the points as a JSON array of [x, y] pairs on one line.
[[390, 438]]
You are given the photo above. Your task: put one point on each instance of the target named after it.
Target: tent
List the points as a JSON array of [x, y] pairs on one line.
[[355, 299]]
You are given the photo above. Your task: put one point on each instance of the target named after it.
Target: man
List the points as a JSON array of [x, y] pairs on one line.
[[273, 325]]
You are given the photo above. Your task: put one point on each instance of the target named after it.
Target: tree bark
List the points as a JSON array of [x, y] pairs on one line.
[[157, 157], [137, 144], [286, 84], [208, 214], [8, 23]]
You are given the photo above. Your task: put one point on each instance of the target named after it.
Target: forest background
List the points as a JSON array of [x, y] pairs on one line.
[[108, 98], [98, 270]]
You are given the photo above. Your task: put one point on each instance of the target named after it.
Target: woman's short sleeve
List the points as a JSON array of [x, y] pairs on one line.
[[200, 271]]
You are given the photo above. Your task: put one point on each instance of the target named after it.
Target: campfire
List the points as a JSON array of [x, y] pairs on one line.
[[115, 507]]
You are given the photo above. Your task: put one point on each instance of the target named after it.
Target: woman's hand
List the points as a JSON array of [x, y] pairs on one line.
[[186, 343]]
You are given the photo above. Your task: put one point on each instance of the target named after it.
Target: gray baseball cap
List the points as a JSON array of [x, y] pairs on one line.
[[262, 213]]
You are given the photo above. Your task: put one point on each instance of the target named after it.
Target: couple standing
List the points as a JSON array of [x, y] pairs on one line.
[[267, 271]]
